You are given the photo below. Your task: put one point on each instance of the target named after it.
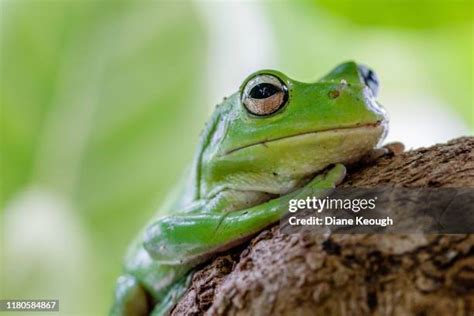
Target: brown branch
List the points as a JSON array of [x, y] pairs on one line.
[[277, 274]]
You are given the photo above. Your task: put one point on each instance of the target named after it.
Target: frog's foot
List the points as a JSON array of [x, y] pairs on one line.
[[174, 294], [390, 149], [131, 298]]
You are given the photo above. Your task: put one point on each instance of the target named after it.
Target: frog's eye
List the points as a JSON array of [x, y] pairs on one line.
[[264, 95], [370, 79]]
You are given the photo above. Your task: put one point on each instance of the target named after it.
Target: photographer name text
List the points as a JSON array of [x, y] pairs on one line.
[[335, 204]]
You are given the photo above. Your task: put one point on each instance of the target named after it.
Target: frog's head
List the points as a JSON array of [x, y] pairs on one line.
[[276, 133]]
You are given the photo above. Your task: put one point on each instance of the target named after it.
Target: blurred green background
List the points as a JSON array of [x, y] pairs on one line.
[[102, 103]]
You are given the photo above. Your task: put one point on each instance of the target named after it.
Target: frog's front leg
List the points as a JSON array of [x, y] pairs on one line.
[[194, 236]]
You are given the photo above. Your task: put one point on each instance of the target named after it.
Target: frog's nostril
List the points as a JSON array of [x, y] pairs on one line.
[[370, 78]]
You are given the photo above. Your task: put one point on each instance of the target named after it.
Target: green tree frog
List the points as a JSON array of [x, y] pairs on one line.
[[264, 145]]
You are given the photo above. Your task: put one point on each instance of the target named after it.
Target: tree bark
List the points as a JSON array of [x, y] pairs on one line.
[[351, 274]]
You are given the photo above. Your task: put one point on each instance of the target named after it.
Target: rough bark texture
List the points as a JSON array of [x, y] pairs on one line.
[[277, 274]]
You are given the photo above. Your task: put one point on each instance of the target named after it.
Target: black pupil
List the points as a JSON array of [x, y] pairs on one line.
[[263, 91]]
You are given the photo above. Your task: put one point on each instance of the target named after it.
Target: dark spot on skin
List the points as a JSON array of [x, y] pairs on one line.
[[275, 174], [334, 94]]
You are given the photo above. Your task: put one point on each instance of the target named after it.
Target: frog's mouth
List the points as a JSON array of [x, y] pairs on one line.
[[369, 127]]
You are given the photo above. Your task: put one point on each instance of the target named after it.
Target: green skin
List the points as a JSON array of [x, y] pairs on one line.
[[245, 171]]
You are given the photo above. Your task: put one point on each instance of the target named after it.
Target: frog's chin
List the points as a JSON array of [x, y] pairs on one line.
[[281, 165], [314, 152]]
